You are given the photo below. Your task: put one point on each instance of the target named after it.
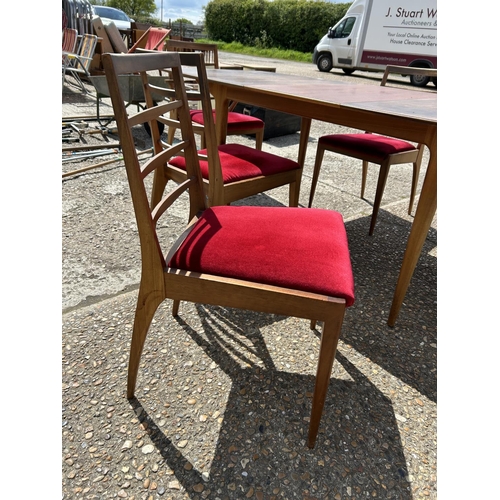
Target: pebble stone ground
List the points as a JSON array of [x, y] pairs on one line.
[[223, 399]]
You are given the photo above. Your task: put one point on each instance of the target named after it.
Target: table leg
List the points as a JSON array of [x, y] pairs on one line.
[[221, 113], [305, 128], [423, 218]]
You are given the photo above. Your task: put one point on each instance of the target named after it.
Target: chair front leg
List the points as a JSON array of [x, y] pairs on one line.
[[382, 179], [294, 190], [329, 340]]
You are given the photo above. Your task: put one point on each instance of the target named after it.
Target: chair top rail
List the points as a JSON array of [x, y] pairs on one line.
[[407, 70]]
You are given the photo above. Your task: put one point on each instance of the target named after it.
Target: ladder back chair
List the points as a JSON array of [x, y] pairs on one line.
[[230, 172], [237, 123], [239, 257], [373, 148]]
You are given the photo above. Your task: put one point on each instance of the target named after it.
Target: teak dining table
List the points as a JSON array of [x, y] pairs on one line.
[[397, 112]]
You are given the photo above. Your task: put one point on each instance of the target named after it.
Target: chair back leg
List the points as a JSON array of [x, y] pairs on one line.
[[320, 152], [147, 304], [259, 139]]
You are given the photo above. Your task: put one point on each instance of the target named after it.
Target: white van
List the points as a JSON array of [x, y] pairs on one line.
[[375, 33]]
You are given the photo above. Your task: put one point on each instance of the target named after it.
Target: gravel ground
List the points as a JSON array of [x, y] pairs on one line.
[[224, 395]]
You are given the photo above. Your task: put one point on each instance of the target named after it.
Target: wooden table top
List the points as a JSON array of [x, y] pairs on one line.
[[403, 102], [398, 112]]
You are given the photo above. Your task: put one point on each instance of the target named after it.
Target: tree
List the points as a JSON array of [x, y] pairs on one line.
[[182, 20], [136, 9]]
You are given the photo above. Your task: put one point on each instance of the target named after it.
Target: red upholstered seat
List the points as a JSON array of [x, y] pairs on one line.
[[370, 148], [260, 244], [235, 121], [374, 148], [239, 162]]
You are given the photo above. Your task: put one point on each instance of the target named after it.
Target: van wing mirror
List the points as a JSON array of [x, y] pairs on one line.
[[331, 33]]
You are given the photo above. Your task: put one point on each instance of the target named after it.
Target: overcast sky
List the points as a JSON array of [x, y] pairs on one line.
[[188, 9]]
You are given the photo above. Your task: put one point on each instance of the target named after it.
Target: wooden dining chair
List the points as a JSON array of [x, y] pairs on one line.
[[230, 172], [237, 123], [281, 260], [372, 148]]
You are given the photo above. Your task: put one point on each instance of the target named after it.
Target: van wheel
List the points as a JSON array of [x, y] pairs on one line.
[[419, 80], [325, 63], [348, 71]]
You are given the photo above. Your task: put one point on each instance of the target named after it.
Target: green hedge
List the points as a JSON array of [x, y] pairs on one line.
[[284, 24]]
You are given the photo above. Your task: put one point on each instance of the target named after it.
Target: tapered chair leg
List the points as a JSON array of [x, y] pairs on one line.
[[159, 183], [363, 178], [294, 191], [147, 304], [382, 179], [175, 307], [414, 180], [329, 340], [317, 167], [259, 139], [170, 135]]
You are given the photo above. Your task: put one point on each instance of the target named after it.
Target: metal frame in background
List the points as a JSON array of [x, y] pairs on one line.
[[79, 15]]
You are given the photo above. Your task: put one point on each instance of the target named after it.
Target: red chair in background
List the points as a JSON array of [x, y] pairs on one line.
[[152, 39]]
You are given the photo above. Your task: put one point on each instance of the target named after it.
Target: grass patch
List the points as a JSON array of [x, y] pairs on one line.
[[238, 48]]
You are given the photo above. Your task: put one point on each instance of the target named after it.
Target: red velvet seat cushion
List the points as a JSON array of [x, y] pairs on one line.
[[239, 162], [235, 121], [299, 248], [372, 147]]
